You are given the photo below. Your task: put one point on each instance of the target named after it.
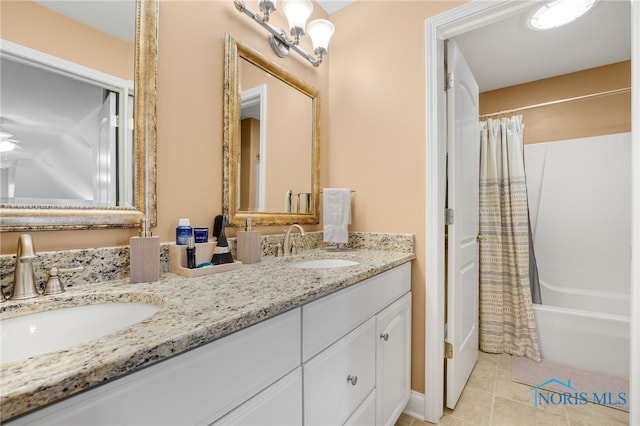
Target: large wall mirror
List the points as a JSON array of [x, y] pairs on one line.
[[78, 148], [271, 141]]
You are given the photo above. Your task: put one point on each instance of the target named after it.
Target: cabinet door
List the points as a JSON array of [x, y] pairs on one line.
[[278, 405], [393, 369], [338, 379]]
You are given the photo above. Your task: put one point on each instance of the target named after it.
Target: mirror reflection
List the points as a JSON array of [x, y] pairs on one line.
[[274, 156], [66, 128], [271, 141], [78, 137], [65, 141]]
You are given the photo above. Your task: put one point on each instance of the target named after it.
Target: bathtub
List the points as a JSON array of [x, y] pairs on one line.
[[580, 208], [589, 340]]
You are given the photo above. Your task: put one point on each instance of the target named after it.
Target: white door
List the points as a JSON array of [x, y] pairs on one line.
[[104, 188], [463, 184]]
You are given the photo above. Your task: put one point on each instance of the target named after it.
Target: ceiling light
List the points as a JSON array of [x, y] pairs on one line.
[[7, 146], [297, 12], [559, 12]]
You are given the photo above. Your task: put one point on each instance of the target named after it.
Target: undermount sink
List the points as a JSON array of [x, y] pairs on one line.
[[322, 263], [48, 331]]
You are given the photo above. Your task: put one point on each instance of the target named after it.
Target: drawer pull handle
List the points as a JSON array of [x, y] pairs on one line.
[[384, 336], [352, 379]]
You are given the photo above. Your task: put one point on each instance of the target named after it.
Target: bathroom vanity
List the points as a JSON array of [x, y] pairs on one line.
[[266, 344]]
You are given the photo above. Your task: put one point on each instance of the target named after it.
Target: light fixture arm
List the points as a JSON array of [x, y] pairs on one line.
[[280, 42]]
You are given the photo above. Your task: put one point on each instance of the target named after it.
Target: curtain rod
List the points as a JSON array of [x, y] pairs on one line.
[[559, 101]]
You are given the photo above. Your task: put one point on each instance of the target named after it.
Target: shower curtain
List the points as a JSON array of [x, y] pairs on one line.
[[507, 322]]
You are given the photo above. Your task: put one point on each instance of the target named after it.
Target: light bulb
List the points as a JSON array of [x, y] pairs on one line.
[[297, 12], [559, 12], [320, 31], [7, 146]]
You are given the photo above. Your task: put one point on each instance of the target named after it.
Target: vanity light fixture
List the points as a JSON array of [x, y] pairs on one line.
[[6, 143], [297, 12], [558, 13]]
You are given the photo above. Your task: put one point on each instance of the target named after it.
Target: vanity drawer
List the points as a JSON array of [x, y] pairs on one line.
[[365, 415], [339, 379], [278, 405], [196, 387], [326, 320]]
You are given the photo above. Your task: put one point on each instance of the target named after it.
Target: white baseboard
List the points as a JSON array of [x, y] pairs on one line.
[[415, 406]]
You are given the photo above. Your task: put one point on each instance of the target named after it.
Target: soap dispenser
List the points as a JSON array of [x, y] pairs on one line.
[[144, 256], [248, 244]]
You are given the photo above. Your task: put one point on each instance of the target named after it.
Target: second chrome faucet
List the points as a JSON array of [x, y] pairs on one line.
[[287, 245]]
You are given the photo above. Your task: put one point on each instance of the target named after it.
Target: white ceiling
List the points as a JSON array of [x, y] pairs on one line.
[[331, 6], [508, 52], [117, 18]]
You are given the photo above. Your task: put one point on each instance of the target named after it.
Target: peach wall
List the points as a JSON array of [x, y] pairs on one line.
[[190, 82], [377, 130], [570, 120], [29, 24]]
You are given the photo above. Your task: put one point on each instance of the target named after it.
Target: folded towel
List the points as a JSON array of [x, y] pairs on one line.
[[336, 214]]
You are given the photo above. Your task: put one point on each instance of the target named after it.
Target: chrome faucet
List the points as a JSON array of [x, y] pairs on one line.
[[54, 284], [24, 283], [287, 241]]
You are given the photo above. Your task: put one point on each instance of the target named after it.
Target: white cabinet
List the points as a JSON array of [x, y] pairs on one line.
[[393, 374], [278, 405], [196, 387], [356, 352], [327, 319], [340, 378], [341, 359], [365, 415]]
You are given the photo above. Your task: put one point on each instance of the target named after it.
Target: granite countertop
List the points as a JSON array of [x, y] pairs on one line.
[[192, 312]]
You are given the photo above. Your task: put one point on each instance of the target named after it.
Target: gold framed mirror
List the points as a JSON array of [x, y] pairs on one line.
[[26, 217], [271, 141]]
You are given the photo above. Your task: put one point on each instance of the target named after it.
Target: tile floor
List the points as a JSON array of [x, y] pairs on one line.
[[491, 398]]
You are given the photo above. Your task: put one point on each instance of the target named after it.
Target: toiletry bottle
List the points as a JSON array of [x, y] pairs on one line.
[[191, 253], [248, 245], [183, 231], [144, 256], [221, 253]]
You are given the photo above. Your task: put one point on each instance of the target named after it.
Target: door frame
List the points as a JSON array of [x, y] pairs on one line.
[[459, 20]]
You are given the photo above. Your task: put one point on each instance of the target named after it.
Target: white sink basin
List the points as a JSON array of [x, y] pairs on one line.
[[48, 331], [322, 263]]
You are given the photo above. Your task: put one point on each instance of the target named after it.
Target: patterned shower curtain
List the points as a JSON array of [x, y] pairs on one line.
[[507, 322]]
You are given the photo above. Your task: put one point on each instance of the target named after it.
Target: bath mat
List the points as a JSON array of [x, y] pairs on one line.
[[575, 384]]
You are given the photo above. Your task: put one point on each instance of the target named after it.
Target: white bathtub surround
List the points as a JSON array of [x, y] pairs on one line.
[[507, 322], [580, 201]]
